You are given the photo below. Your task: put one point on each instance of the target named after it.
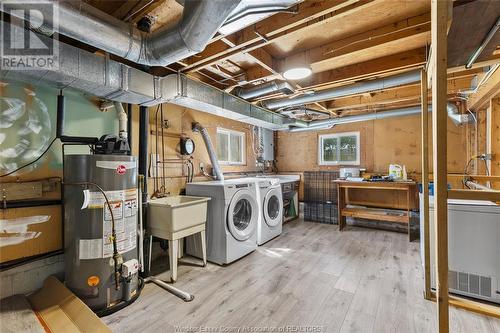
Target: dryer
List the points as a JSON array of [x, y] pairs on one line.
[[270, 201], [232, 220]]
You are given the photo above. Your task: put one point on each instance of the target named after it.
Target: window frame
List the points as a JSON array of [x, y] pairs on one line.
[[321, 137], [228, 132]]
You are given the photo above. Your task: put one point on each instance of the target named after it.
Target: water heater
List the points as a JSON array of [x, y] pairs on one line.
[[103, 273]]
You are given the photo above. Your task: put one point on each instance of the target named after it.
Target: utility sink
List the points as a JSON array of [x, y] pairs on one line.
[[283, 178], [173, 215]]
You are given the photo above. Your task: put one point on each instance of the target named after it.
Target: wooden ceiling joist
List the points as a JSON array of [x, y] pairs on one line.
[[377, 67], [488, 90], [310, 13], [406, 94], [385, 40]]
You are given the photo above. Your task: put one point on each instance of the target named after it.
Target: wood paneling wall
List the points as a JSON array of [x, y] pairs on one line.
[[180, 120], [495, 138], [383, 142]]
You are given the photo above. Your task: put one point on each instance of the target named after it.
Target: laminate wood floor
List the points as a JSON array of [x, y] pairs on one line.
[[311, 278]]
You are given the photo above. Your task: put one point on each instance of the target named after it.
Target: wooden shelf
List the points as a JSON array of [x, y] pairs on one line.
[[376, 214]]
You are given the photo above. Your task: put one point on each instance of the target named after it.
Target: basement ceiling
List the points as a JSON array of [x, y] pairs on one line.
[[471, 23], [343, 41]]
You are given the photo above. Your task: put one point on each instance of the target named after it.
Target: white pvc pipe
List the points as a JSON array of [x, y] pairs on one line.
[[122, 120]]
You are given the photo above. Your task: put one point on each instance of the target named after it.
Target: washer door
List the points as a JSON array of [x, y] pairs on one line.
[[273, 207], [242, 215]]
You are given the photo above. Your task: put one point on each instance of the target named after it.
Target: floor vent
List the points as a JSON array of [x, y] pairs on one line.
[[470, 283]]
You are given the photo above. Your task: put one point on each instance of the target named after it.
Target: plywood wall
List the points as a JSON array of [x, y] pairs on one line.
[[383, 142], [495, 138]]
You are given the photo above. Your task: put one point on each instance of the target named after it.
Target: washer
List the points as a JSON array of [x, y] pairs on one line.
[[270, 201], [232, 219]]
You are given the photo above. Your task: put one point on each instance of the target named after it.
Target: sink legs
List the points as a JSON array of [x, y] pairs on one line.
[[203, 247], [173, 252]]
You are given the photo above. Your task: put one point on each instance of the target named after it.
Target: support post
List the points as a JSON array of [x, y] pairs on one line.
[[440, 13], [425, 184]]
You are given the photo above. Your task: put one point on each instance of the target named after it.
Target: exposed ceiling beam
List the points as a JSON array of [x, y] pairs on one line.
[[147, 7], [406, 34], [124, 9], [368, 69], [494, 59], [488, 90], [409, 93], [310, 13], [133, 11], [373, 68]]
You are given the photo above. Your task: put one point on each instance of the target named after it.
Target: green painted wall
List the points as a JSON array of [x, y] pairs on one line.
[[28, 122]]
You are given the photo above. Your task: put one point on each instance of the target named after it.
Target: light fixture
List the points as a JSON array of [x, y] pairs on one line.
[[297, 73]]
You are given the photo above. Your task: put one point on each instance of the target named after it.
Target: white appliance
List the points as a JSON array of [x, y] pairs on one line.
[[270, 202], [474, 248], [349, 172], [232, 220]]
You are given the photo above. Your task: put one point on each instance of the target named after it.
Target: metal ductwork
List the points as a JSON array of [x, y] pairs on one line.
[[316, 125], [99, 76], [249, 12], [328, 123], [457, 117], [297, 112], [352, 89], [200, 21], [264, 89], [197, 127]]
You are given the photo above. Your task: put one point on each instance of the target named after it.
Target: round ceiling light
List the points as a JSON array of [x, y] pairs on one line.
[[297, 73]]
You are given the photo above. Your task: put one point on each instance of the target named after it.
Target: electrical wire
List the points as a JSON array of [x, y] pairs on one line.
[[486, 167], [32, 162]]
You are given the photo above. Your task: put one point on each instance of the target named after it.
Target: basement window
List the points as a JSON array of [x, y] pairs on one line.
[[339, 149], [230, 147]]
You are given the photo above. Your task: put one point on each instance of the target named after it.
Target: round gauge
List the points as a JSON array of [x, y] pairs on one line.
[[187, 146]]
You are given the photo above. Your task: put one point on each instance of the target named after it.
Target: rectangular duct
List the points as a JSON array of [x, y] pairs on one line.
[[108, 79]]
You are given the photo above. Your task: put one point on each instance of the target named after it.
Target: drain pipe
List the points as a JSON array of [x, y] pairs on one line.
[[122, 121], [197, 127]]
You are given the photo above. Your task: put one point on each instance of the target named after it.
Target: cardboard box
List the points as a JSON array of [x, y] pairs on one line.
[[60, 311], [29, 231]]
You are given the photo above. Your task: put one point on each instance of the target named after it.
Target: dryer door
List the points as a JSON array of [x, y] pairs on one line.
[[273, 207], [242, 215]]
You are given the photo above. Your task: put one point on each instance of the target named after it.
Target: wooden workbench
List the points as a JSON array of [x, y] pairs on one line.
[[343, 186]]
